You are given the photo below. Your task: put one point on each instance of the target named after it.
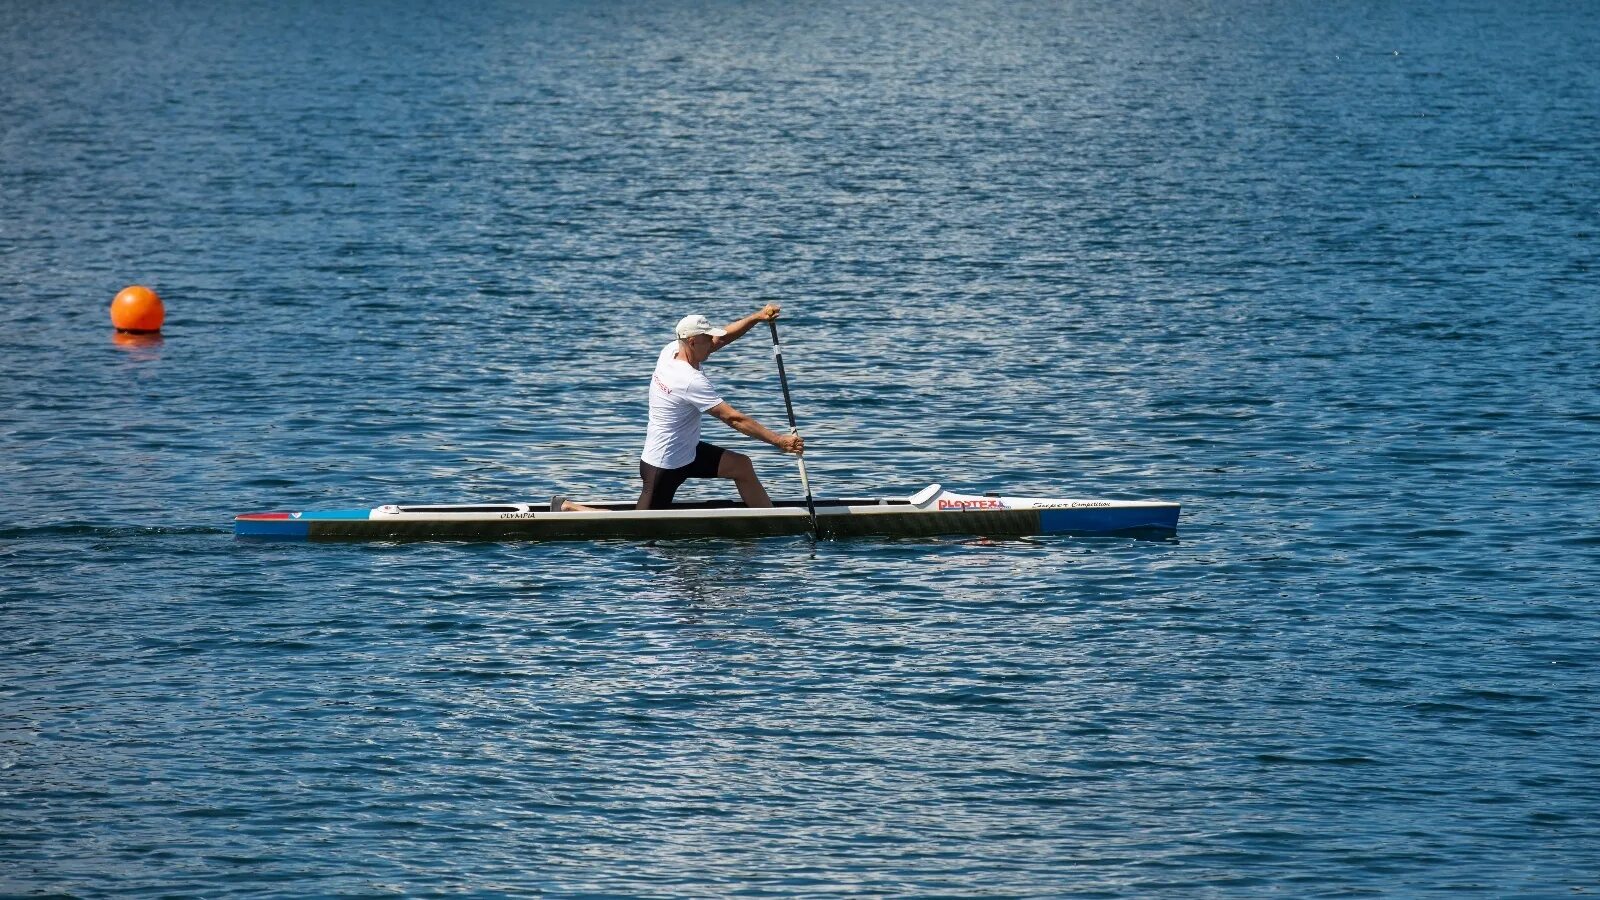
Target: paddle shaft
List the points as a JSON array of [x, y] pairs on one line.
[[794, 427]]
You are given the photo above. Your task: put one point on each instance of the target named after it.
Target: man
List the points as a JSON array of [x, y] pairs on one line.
[[679, 393]]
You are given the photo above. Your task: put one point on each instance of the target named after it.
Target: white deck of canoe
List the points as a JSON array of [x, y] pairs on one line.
[[924, 502]]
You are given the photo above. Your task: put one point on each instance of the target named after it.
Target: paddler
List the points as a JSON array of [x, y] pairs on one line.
[[679, 393]]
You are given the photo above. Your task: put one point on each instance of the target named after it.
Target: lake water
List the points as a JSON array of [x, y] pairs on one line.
[[1326, 275]]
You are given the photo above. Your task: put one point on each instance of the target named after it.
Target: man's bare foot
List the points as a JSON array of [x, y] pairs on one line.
[[559, 503]]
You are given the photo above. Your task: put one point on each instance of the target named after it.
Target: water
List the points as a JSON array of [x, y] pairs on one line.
[[1325, 275]]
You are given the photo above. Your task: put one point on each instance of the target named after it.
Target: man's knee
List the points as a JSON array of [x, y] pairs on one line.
[[736, 465]]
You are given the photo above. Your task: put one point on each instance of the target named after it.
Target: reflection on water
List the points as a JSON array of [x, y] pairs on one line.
[[149, 343], [713, 573]]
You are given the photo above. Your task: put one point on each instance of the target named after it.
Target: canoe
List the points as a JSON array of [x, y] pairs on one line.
[[932, 511]]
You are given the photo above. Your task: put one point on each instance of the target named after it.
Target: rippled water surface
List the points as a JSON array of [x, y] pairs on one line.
[[1325, 275]]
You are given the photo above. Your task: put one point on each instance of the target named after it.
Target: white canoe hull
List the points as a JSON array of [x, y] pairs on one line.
[[933, 511]]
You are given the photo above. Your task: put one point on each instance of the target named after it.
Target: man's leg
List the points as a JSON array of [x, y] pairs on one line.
[[658, 488], [738, 467]]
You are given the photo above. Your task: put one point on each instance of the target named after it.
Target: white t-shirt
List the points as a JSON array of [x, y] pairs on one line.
[[679, 393]]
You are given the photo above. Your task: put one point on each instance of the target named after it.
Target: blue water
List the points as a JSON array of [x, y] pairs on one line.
[[1324, 273]]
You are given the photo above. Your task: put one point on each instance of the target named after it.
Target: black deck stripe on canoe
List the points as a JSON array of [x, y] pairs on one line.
[[460, 509]]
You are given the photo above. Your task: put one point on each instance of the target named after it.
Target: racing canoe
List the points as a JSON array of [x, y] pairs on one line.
[[932, 511]]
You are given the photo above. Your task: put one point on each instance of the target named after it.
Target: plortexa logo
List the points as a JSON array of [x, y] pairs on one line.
[[976, 503]]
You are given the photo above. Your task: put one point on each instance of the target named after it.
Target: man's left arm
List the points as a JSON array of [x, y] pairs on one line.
[[737, 329]]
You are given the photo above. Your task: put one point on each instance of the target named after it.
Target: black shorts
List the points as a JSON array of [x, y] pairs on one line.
[[661, 484]]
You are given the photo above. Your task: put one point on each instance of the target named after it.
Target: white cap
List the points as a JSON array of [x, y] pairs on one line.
[[689, 326]]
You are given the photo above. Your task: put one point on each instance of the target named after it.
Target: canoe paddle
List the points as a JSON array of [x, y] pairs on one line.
[[783, 379]]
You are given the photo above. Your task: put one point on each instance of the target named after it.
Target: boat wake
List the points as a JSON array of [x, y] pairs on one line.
[[89, 529]]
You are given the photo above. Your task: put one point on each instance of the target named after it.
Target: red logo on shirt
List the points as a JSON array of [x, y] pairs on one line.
[[656, 379]]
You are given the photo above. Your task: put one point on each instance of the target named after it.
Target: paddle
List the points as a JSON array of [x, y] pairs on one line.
[[783, 379]]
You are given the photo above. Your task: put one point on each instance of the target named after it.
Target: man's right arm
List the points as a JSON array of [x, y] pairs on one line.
[[738, 421], [737, 329]]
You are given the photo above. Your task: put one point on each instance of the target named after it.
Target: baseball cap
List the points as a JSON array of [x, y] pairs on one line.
[[689, 326]]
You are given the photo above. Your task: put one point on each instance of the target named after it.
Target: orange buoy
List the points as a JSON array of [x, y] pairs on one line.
[[137, 310]]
